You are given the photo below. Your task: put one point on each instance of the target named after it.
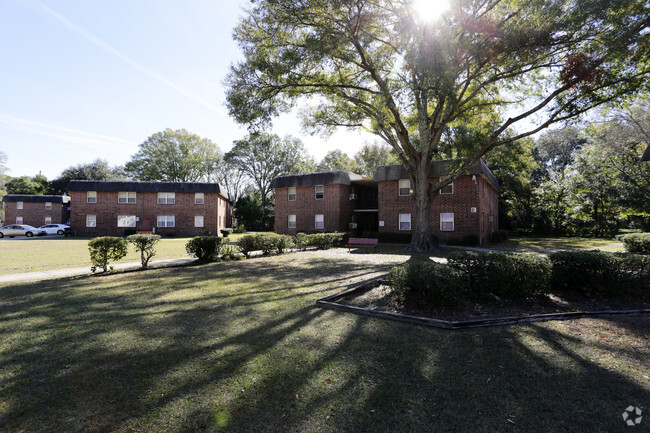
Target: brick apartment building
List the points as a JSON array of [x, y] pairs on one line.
[[36, 210], [341, 201], [111, 208]]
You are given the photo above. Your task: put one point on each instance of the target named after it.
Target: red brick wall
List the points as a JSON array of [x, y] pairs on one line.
[[214, 211], [467, 194], [34, 213], [335, 206]]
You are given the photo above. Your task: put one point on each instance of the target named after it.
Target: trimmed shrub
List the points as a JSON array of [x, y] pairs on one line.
[[637, 243], [283, 243], [601, 273], [239, 228], [325, 241], [499, 236], [145, 244], [301, 241], [204, 248], [427, 282], [228, 252], [104, 249], [226, 232], [247, 244], [508, 275]]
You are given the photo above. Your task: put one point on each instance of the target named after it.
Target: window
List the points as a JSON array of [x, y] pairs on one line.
[[292, 194], [319, 222], [447, 222], [19, 205], [48, 205], [126, 197], [405, 221], [166, 221], [405, 187], [198, 198], [292, 221], [19, 220], [48, 220], [126, 220], [91, 220], [320, 192], [91, 197], [198, 221], [166, 198], [449, 189]]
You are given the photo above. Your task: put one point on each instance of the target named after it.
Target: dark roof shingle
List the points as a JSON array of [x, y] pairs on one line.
[[109, 185], [28, 198], [317, 178]]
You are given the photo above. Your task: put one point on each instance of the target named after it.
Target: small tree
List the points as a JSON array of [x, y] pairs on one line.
[[104, 249], [145, 244]]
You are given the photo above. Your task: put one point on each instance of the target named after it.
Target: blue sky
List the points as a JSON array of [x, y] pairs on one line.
[[81, 80]]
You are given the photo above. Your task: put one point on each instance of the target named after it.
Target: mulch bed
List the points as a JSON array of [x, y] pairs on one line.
[[374, 299]]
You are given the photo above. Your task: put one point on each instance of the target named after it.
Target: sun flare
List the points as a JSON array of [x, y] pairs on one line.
[[429, 10]]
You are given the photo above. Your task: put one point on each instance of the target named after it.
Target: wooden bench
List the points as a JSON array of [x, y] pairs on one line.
[[362, 243]]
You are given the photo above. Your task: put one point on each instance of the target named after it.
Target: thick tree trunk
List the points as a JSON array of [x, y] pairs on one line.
[[422, 239]]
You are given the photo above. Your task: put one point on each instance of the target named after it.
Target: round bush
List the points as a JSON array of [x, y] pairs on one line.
[[204, 248], [428, 282]]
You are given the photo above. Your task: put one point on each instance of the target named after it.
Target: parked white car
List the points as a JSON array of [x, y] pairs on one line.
[[20, 230], [55, 229]]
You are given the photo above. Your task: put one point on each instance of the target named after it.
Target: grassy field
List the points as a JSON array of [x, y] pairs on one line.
[[28, 255], [44, 254], [549, 244], [241, 347]]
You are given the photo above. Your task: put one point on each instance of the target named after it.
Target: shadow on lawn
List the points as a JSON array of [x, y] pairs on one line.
[[241, 347]]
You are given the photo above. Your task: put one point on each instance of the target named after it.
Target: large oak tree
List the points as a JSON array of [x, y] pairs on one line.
[[381, 66]]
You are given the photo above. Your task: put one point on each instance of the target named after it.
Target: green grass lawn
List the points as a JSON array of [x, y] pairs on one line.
[[17, 256], [560, 243], [241, 347]]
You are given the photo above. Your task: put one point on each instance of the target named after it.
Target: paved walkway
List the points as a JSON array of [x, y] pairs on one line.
[[58, 273]]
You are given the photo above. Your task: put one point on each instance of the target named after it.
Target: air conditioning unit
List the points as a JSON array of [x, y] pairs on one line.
[[352, 225], [354, 196]]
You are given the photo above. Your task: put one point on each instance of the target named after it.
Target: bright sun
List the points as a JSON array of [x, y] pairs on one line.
[[428, 10]]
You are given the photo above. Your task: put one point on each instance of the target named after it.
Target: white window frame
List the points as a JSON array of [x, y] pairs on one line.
[[322, 192], [48, 206], [19, 220], [126, 197], [167, 221], [126, 220], [291, 192], [447, 217], [322, 221], [442, 190], [403, 219], [19, 205], [198, 221], [400, 187], [91, 196], [166, 198], [91, 220], [199, 198], [291, 222], [48, 220]]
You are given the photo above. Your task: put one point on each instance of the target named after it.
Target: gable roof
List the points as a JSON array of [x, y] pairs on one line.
[[114, 186], [436, 169], [317, 178], [29, 198]]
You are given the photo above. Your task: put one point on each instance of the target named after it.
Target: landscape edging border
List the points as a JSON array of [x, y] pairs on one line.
[[329, 302]]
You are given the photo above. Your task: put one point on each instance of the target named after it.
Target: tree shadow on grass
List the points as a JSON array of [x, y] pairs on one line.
[[241, 347]]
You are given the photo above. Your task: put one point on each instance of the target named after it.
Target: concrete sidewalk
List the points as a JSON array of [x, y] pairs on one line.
[[58, 273]]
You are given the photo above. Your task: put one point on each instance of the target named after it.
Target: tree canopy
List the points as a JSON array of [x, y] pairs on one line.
[[174, 156], [96, 170], [265, 156], [377, 65]]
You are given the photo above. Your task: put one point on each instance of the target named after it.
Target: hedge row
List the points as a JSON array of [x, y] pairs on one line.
[[601, 273], [638, 243], [471, 274]]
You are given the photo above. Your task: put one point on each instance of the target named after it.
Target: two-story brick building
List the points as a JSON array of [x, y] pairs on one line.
[[36, 210], [342, 201], [111, 208]]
